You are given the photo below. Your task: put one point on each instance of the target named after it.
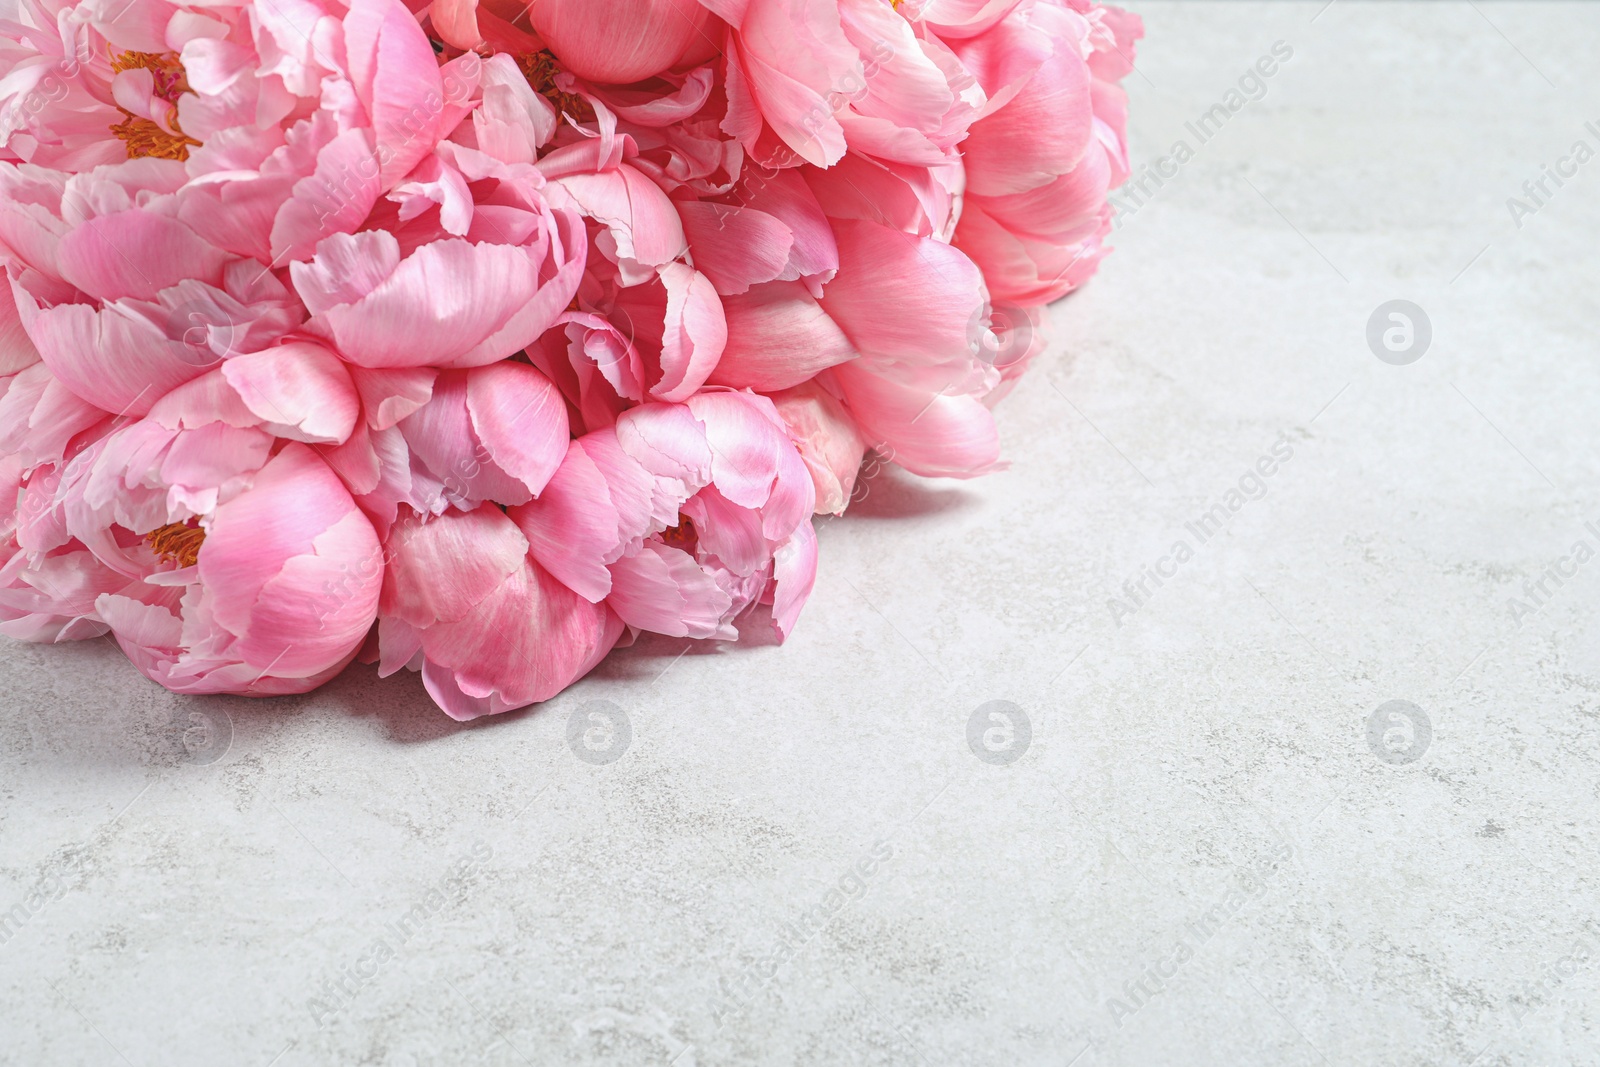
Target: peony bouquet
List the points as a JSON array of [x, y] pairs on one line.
[[476, 338]]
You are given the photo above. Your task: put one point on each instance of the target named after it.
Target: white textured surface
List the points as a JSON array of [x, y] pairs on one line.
[[655, 909]]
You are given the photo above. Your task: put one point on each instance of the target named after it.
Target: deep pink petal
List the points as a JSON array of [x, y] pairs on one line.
[[733, 246]]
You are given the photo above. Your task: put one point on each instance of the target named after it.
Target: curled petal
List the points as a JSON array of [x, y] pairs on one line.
[[663, 590], [926, 432], [300, 390], [794, 568], [778, 336]]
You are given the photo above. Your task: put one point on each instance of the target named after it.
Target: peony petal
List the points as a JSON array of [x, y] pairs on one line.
[[902, 299], [113, 358], [142, 624], [136, 254], [663, 590], [521, 419], [301, 390], [925, 432], [396, 77], [830, 445], [390, 395], [16, 350], [573, 527], [642, 223], [794, 569], [778, 336], [440, 569], [450, 303], [530, 639], [619, 41], [745, 442], [735, 247], [694, 333]]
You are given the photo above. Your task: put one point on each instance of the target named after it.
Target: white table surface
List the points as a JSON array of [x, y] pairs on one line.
[[682, 904]]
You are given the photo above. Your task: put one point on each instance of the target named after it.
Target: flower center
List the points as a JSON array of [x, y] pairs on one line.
[[178, 542], [540, 69], [681, 536], [143, 136]]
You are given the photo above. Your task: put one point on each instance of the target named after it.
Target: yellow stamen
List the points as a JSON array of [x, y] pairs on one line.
[[144, 137], [177, 542]]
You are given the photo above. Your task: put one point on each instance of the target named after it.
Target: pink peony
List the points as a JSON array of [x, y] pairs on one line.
[[243, 570], [682, 516], [1039, 167], [491, 631], [482, 338]]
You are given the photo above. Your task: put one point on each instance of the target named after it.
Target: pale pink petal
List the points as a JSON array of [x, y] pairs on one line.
[[694, 333], [16, 350], [136, 254], [830, 445], [138, 623], [643, 230], [663, 590], [745, 442], [450, 303], [396, 77], [390, 395], [778, 336], [514, 121], [440, 569], [794, 569], [668, 441], [335, 198], [113, 358], [521, 420], [925, 432], [300, 389]]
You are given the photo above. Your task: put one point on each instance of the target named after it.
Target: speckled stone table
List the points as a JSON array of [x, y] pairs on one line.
[[1253, 716]]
